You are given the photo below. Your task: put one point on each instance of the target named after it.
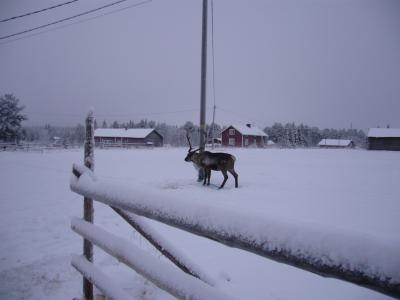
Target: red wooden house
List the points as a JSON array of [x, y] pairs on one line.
[[244, 136]]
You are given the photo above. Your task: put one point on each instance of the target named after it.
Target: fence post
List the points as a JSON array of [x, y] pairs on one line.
[[88, 202]]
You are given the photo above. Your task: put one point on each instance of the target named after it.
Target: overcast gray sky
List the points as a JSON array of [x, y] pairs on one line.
[[327, 63]]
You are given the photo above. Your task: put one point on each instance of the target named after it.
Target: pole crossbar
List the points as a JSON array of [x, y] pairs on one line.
[[257, 235]]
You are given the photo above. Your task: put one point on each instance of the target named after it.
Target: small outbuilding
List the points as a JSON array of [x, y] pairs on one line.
[[131, 137], [217, 142], [384, 139], [271, 144], [336, 143], [56, 141], [244, 136]]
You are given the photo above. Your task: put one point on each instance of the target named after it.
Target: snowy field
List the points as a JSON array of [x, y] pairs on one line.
[[345, 189]]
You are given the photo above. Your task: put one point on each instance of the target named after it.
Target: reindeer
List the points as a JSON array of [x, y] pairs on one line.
[[208, 161]]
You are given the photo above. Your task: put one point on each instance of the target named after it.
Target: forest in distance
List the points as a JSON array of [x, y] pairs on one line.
[[287, 135]]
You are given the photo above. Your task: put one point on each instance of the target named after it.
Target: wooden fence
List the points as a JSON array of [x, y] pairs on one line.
[[194, 283], [35, 147]]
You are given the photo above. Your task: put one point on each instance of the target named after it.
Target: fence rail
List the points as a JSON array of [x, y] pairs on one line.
[[162, 245], [163, 275], [34, 147], [95, 276], [260, 235], [124, 145]]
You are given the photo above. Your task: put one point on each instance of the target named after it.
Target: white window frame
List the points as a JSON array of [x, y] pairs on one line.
[[246, 141], [232, 131], [231, 142]]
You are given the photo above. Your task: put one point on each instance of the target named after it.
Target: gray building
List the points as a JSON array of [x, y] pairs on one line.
[[336, 143], [384, 139], [132, 137]]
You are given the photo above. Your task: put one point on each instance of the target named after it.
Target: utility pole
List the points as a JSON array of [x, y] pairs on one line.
[[203, 91], [213, 71], [212, 127]]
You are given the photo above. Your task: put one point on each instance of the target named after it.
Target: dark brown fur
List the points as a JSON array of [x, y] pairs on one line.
[[208, 161]]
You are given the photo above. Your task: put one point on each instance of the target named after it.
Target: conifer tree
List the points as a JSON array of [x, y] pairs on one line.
[[10, 118]]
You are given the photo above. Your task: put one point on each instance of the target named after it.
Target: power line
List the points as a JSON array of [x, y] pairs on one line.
[[139, 114], [78, 22], [38, 11], [241, 116], [70, 18]]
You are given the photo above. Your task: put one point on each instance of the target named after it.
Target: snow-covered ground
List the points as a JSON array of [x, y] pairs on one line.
[[346, 189]]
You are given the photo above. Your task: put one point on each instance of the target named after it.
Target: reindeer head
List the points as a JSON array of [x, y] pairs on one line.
[[192, 156]]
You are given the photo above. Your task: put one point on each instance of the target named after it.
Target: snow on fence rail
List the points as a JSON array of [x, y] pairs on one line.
[[163, 275], [364, 260], [165, 248], [102, 281]]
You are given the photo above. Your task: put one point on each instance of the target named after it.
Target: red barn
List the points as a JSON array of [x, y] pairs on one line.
[[122, 137], [244, 136]]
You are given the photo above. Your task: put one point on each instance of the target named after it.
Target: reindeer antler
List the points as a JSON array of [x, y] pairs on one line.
[[188, 138], [190, 144]]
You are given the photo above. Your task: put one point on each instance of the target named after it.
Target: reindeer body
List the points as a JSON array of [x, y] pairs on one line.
[[219, 161]]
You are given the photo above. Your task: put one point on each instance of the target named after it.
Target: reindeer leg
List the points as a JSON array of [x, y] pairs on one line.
[[209, 177], [205, 172], [225, 178], [236, 177]]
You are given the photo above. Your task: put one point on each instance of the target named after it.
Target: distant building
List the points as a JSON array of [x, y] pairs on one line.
[[336, 143], [384, 139], [132, 137], [56, 141], [271, 144], [244, 136], [217, 142]]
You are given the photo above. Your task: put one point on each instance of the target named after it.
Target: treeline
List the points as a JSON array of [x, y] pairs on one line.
[[291, 135], [173, 135], [67, 135], [74, 135]]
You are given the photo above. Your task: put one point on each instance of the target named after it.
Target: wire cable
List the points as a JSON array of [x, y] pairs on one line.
[[241, 116], [139, 114], [77, 22], [70, 18], [38, 11]]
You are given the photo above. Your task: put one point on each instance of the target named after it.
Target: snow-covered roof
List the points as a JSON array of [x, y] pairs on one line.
[[384, 132], [334, 142], [245, 130], [122, 132]]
